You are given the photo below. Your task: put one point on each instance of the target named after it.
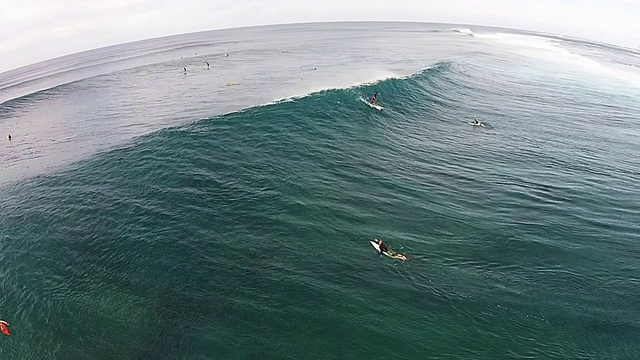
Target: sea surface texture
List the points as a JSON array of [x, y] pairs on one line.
[[225, 212]]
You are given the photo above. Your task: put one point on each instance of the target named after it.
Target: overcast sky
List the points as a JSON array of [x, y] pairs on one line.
[[36, 30]]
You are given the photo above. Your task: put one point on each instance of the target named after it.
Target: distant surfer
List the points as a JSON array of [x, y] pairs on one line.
[[207, 64], [226, 54], [386, 250], [4, 328], [9, 137], [185, 70], [374, 98], [475, 122]]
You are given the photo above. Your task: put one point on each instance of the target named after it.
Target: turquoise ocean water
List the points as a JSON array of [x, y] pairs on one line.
[[226, 212]]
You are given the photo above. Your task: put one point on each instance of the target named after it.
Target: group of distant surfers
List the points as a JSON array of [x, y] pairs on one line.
[[206, 62]]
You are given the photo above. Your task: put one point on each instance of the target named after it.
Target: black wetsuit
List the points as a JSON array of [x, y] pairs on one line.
[[385, 248]]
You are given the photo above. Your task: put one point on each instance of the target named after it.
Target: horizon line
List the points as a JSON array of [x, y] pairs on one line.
[[532, 32]]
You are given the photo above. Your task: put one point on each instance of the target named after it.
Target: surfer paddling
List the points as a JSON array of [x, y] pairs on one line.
[[4, 328], [475, 122], [386, 250]]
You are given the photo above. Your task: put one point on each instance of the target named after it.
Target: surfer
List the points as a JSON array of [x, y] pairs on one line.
[[9, 137], [207, 64], [385, 249], [185, 70], [374, 98], [4, 328], [476, 122]]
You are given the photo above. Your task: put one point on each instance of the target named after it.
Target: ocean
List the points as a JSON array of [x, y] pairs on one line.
[[225, 212]]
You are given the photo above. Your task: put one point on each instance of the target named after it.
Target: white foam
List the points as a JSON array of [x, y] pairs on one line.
[[464, 31], [355, 79], [550, 50]]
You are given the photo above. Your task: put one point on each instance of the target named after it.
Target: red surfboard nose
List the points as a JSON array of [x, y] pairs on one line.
[[4, 328]]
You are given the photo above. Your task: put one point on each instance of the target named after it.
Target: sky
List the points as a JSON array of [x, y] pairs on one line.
[[37, 30]]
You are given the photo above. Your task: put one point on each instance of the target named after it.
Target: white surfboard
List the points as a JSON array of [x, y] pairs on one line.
[[375, 106], [478, 124]]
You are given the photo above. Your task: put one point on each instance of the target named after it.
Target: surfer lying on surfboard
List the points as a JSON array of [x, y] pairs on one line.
[[475, 122], [386, 250]]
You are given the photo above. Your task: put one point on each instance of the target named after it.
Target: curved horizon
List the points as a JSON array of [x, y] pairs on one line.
[[293, 24], [34, 33]]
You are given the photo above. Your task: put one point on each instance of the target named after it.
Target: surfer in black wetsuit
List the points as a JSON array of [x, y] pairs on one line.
[[374, 98], [384, 248]]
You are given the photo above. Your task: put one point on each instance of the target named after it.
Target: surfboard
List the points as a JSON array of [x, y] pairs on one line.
[[4, 328], [375, 106], [474, 124], [377, 247]]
